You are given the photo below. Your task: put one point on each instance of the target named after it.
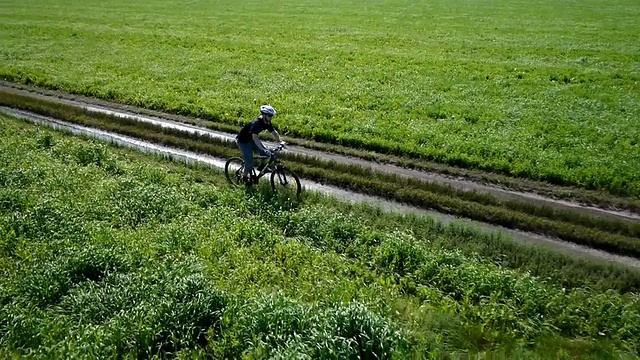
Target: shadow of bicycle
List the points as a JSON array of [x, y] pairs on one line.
[[263, 197]]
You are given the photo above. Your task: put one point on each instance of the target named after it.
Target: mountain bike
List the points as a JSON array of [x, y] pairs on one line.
[[281, 177]]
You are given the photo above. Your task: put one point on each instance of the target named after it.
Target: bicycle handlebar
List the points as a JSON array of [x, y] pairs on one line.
[[280, 147]]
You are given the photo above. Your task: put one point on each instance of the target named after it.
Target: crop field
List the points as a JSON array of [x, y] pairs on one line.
[[544, 90], [108, 251]]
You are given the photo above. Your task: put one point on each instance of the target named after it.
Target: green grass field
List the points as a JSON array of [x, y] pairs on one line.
[[109, 252], [545, 90]]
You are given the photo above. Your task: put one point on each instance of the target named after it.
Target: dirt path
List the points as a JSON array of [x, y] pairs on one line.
[[458, 183], [462, 184], [190, 157]]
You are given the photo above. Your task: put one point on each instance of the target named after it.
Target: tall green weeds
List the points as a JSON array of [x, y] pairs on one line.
[[163, 260]]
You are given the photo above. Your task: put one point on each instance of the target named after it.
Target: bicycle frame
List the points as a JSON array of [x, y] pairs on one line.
[[266, 165]]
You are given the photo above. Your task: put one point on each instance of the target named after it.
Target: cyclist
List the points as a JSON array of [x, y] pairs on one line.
[[248, 139]]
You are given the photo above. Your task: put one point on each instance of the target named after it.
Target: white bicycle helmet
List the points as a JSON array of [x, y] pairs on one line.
[[267, 110]]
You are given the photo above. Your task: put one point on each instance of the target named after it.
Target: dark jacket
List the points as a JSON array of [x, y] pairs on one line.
[[255, 127]]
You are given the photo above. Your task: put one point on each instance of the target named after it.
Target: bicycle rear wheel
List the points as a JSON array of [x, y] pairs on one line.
[[233, 170], [283, 180]]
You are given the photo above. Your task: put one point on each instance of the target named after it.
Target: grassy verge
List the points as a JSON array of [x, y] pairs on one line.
[[558, 268], [616, 236], [113, 253]]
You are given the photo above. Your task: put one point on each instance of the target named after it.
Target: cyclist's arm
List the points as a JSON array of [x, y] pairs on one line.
[[256, 140], [276, 135]]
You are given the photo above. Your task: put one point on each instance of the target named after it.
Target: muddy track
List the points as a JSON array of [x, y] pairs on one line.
[[387, 205], [168, 121]]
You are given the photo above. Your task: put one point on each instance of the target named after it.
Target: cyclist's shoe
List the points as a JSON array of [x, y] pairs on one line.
[[246, 180]]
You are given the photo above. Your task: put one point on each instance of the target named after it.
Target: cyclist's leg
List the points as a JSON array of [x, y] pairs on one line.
[[254, 147], [247, 157]]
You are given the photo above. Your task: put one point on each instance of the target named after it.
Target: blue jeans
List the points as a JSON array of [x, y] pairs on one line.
[[247, 155]]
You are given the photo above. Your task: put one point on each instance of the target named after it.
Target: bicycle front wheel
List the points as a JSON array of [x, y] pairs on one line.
[[283, 180], [233, 170]]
